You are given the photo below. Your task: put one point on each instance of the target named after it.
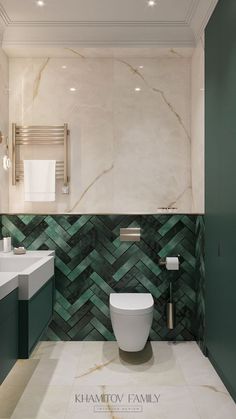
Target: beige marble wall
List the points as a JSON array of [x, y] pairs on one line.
[[4, 107], [197, 128], [130, 150]]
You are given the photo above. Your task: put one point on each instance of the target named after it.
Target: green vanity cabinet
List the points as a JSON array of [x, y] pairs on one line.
[[8, 333], [34, 317]]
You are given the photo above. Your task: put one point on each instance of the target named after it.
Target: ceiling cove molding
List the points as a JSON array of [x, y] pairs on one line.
[[8, 21], [105, 43], [192, 8], [184, 33], [4, 18], [199, 25], [206, 19], [97, 23], [99, 36]]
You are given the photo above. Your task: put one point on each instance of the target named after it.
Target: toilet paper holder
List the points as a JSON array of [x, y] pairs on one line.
[[162, 262]]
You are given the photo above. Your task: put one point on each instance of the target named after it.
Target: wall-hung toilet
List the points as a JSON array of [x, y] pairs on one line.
[[131, 318]]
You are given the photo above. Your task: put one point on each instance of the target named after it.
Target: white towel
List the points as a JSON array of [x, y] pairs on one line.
[[39, 180]]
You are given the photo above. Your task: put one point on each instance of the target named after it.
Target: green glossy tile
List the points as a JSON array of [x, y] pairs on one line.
[[92, 262]]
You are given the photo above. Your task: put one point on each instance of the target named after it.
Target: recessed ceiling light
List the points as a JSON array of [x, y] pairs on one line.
[[140, 66], [40, 3], [137, 89], [72, 89], [63, 67], [151, 3]]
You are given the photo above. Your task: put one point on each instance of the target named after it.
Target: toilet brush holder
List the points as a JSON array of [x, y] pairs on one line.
[[170, 315]]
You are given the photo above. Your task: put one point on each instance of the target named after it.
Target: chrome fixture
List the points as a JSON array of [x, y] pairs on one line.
[[163, 262], [170, 315], [130, 234], [39, 135], [6, 162]]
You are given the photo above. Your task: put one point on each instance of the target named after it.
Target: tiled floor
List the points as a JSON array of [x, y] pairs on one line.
[[95, 380]]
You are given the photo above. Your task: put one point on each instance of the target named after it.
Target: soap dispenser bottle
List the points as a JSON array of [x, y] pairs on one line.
[[6, 244]]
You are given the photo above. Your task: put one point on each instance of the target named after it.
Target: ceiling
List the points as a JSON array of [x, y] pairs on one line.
[[103, 23], [98, 10]]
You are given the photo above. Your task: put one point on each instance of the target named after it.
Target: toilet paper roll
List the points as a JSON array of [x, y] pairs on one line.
[[172, 263]]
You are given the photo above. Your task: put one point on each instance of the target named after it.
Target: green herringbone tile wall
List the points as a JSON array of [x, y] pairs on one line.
[[91, 262]]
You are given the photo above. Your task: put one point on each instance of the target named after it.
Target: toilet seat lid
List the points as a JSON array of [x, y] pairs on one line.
[[132, 303]]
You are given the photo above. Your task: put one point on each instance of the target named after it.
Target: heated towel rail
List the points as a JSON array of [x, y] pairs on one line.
[[40, 136]]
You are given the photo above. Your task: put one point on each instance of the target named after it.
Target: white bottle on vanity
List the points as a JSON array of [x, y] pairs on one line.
[[6, 244]]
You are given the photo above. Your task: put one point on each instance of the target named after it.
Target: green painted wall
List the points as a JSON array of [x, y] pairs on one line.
[[91, 262], [221, 191]]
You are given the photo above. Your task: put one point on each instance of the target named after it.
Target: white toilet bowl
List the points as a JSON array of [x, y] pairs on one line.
[[131, 318]]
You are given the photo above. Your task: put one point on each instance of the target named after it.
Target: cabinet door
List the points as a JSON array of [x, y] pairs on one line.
[[221, 191], [8, 333]]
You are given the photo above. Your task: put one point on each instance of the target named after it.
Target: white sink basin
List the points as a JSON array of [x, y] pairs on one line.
[[33, 269], [16, 264]]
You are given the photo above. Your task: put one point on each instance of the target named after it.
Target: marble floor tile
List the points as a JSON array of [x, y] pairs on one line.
[[79, 408], [104, 364], [196, 368], [51, 372], [48, 350], [21, 373], [132, 402], [212, 403], [56, 350], [43, 403], [9, 398], [59, 370], [179, 376]]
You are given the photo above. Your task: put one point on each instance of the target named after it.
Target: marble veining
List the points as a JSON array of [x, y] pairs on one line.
[[160, 92], [213, 388], [172, 204], [38, 79], [108, 405], [98, 177], [172, 110], [96, 368], [176, 53], [128, 150], [75, 52]]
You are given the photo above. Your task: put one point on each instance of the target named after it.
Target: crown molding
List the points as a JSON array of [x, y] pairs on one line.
[[127, 43], [7, 21], [4, 18], [108, 33], [97, 23], [192, 8], [206, 19], [198, 29], [155, 35]]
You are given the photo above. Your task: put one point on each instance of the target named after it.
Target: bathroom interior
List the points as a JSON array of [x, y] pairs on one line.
[[117, 209]]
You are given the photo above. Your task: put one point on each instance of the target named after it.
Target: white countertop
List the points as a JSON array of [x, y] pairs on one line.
[[30, 253], [9, 280]]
